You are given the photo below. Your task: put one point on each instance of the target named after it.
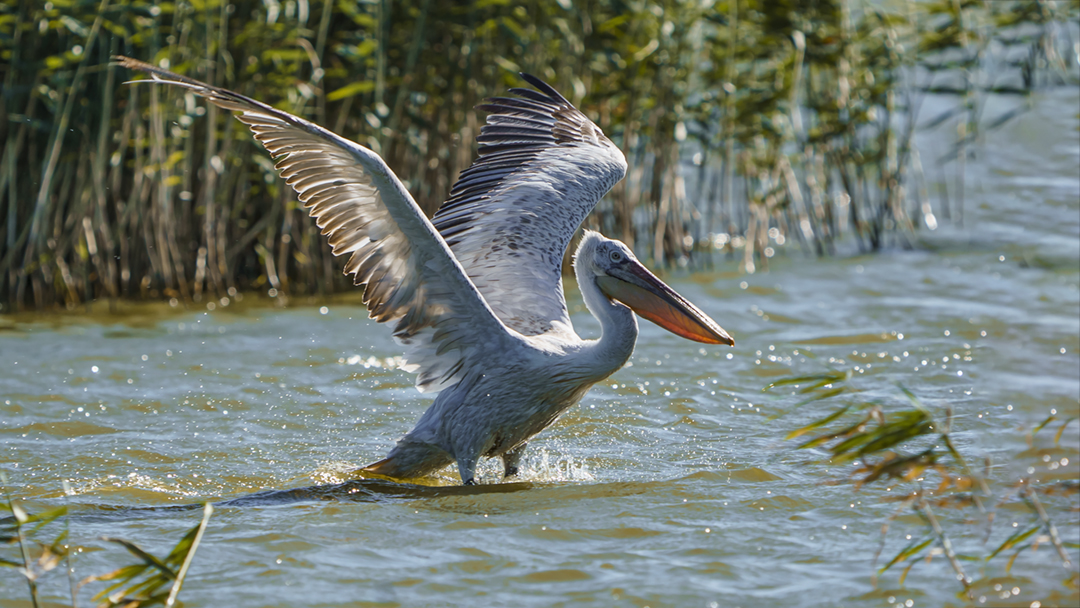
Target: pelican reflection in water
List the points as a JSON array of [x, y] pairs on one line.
[[475, 294]]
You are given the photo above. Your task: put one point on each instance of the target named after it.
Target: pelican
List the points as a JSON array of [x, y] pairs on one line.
[[475, 294]]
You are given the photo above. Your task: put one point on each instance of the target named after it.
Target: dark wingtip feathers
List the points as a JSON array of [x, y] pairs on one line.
[[157, 73], [544, 94], [544, 88]]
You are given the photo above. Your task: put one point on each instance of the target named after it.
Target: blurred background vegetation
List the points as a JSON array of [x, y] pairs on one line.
[[749, 125]]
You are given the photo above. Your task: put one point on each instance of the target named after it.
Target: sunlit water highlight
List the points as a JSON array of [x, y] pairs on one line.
[[669, 485]]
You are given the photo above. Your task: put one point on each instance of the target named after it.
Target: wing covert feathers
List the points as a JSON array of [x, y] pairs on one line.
[[542, 167]]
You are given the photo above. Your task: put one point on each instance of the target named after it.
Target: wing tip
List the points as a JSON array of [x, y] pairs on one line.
[[544, 87], [156, 73], [542, 93]]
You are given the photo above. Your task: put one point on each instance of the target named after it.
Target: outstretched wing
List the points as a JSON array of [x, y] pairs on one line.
[[543, 166], [410, 275]]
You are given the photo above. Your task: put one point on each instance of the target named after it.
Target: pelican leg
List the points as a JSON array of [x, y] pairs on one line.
[[467, 469], [511, 460]]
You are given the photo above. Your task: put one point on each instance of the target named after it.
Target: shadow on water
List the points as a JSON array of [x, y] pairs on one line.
[[542, 495], [357, 491], [367, 490]]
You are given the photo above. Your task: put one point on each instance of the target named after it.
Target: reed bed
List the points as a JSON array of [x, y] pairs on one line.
[[749, 126]]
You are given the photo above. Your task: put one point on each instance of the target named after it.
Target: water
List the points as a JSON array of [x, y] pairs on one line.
[[670, 485]]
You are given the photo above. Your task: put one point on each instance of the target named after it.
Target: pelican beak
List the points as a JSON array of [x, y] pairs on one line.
[[633, 285]]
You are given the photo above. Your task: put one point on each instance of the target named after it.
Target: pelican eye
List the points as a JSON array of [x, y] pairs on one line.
[[616, 256]]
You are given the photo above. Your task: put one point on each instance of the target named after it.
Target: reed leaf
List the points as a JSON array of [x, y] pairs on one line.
[[817, 423], [1013, 540], [907, 552], [144, 584]]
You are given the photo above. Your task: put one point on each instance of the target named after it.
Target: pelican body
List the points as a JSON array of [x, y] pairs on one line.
[[475, 294]]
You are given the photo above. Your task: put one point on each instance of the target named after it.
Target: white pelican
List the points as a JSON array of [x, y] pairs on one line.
[[475, 294]]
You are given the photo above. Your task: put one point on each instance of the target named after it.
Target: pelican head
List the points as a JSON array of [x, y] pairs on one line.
[[623, 279]]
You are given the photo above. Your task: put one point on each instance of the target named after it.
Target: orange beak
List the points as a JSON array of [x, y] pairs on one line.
[[633, 285]]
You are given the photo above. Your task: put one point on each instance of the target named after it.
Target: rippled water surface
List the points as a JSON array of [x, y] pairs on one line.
[[669, 485]]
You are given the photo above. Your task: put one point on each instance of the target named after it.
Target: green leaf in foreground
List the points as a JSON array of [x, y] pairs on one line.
[[155, 581], [904, 444], [812, 381], [1014, 540], [817, 423], [914, 547]]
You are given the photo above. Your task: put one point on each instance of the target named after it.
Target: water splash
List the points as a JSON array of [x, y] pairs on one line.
[[548, 467], [395, 362]]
